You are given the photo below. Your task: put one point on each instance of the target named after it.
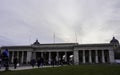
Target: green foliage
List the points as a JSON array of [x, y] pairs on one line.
[[70, 70]]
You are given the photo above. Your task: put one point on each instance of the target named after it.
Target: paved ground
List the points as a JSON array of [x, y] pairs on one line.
[[23, 68]]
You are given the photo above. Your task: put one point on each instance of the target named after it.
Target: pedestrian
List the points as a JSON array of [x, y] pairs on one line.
[[0, 61], [5, 59], [41, 62], [53, 62], [15, 61], [61, 62], [38, 62], [33, 62], [49, 62]]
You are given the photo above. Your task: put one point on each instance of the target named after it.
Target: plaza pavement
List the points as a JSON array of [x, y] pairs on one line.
[[23, 68]]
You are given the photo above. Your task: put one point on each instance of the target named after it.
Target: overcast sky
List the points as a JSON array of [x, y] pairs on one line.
[[90, 21]]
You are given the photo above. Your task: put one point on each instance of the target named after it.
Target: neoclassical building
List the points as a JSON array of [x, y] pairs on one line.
[[77, 53]]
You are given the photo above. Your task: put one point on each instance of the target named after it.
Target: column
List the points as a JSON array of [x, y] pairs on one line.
[[12, 56], [18, 55], [22, 58], [49, 58], [42, 54], [90, 58], [34, 55], [84, 56], [29, 56], [111, 56], [96, 56], [103, 57], [57, 56], [76, 57], [65, 56]]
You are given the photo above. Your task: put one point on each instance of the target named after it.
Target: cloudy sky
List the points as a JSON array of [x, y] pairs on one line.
[[88, 21]]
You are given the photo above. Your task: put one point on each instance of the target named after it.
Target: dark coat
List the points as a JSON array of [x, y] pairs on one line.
[[15, 61]]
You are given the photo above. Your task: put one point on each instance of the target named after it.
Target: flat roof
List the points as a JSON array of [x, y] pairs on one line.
[[59, 45]]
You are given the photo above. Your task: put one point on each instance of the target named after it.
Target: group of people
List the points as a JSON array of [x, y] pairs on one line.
[[4, 60], [40, 62]]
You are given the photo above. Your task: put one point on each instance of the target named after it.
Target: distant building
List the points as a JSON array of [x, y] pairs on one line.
[[78, 53]]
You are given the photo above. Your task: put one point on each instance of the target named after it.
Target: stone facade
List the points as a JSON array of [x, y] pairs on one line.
[[67, 52]]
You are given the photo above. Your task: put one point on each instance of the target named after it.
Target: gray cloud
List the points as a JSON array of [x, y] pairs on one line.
[[93, 21]]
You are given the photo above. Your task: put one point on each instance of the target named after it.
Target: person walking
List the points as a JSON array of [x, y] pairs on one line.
[[53, 62], [33, 62], [41, 62], [5, 59], [0, 61], [38, 62], [15, 61]]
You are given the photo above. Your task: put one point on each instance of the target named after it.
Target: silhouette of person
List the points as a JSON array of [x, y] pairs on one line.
[[38, 62], [0, 61], [33, 62], [15, 61], [41, 62], [53, 62], [5, 59]]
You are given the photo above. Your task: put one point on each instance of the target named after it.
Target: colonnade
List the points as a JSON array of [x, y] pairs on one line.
[[56, 56], [21, 55], [26, 56], [77, 56], [93, 56]]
